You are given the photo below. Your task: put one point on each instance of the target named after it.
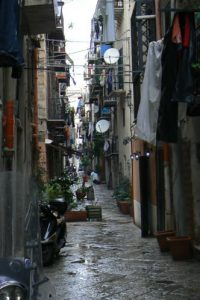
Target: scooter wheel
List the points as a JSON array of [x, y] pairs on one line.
[[47, 254]]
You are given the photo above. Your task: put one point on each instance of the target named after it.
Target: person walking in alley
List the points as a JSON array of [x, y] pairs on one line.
[[95, 177]]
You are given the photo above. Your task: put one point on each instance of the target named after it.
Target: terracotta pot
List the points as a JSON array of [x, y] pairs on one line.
[[80, 195], [180, 247], [162, 239], [74, 216], [85, 178], [124, 207]]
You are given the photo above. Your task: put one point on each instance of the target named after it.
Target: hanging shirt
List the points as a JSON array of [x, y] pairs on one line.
[[146, 125]]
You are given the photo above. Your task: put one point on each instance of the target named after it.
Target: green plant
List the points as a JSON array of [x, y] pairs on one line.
[[58, 187], [81, 192], [196, 66], [85, 160], [98, 143], [123, 190]]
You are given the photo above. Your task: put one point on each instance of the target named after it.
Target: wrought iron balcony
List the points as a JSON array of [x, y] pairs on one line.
[[39, 16], [109, 102], [118, 9], [56, 109]]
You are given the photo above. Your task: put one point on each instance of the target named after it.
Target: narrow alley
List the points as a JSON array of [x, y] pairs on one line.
[[108, 259]]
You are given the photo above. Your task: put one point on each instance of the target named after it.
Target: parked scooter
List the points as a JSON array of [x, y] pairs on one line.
[[53, 229], [21, 271]]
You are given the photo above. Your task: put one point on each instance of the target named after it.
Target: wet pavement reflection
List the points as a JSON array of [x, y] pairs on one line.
[[108, 259]]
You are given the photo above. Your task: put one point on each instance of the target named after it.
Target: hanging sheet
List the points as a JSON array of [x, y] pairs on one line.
[[10, 51], [146, 125]]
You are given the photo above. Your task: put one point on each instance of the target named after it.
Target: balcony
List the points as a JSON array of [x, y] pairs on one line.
[[113, 148], [56, 110], [56, 131], [118, 9], [109, 102], [91, 58], [39, 16], [58, 34]]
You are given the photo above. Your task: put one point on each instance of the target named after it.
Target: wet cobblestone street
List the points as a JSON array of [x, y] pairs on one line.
[[108, 259]]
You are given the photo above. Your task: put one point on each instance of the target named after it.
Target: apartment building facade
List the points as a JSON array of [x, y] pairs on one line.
[[163, 172]]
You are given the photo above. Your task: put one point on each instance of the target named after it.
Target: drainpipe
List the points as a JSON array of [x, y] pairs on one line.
[[8, 120], [158, 20], [35, 105]]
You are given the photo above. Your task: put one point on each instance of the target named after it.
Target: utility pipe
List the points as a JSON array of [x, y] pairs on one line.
[[35, 104], [9, 125], [158, 20]]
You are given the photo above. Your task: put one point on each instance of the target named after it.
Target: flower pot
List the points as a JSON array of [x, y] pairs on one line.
[[180, 247], [124, 207], [80, 194], [85, 178], [75, 216], [162, 239]]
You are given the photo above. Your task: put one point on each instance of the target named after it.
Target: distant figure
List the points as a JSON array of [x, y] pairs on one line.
[[95, 177]]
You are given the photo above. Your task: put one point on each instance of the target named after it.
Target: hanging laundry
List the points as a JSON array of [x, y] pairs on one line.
[[167, 127], [106, 145], [146, 124], [96, 28], [176, 31], [184, 87], [109, 82], [10, 44]]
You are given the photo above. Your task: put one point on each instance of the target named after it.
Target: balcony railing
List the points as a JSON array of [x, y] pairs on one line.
[[118, 9]]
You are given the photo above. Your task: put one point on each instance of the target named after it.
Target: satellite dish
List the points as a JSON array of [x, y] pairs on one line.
[[102, 126], [111, 56]]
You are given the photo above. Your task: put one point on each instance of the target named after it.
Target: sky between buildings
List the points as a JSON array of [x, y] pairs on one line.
[[77, 21]]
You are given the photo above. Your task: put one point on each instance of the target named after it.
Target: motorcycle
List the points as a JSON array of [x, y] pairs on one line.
[[21, 271], [53, 229]]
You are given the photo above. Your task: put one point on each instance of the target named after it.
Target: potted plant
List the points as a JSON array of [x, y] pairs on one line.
[[81, 192], [180, 247], [85, 162], [122, 194], [162, 239], [58, 188], [76, 215]]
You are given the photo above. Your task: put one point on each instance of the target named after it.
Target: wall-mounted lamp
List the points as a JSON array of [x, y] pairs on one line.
[[147, 152], [136, 155]]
